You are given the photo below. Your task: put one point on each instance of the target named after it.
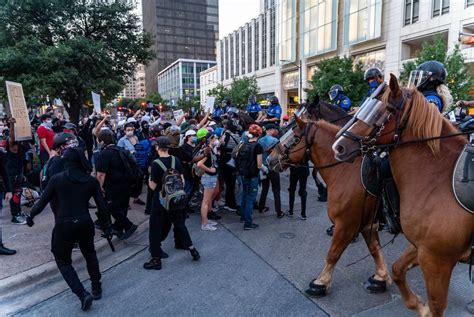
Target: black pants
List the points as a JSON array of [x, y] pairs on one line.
[[322, 190], [229, 180], [118, 200], [160, 225], [65, 235], [301, 177], [273, 178]]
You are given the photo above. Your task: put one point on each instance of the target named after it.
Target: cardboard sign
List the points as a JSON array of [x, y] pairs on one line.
[[209, 106], [178, 114], [18, 110], [96, 101]]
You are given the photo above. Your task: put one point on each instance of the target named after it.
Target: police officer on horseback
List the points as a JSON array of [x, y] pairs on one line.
[[336, 95], [429, 78], [273, 114], [253, 108], [373, 77]]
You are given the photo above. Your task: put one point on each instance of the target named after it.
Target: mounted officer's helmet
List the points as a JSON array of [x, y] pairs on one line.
[[64, 140], [427, 76], [335, 91], [227, 102], [274, 100], [252, 99], [372, 73]]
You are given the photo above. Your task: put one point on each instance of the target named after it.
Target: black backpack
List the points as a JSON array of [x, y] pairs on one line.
[[246, 160], [133, 172]]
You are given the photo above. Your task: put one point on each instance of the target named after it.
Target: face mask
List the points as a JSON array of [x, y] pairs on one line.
[[215, 143], [194, 139], [373, 84], [129, 133], [48, 123]]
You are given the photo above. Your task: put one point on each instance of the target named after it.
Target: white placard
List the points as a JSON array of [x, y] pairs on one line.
[[96, 101], [18, 111], [209, 106], [178, 114]]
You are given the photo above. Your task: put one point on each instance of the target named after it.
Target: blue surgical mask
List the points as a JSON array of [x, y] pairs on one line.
[[373, 84], [194, 139]]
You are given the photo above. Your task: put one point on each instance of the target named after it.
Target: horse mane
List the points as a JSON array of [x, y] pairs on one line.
[[422, 118], [329, 127]]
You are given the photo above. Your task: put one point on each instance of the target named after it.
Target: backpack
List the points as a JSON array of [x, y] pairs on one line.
[[172, 194], [142, 149], [133, 172], [246, 162], [232, 142]]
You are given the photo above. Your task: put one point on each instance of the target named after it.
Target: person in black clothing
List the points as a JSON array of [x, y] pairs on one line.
[[298, 174], [231, 141], [187, 149], [111, 174], [6, 193], [161, 219], [71, 191]]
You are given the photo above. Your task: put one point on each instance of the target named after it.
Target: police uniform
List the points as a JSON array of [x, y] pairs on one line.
[[433, 97], [274, 111], [344, 102], [253, 110]]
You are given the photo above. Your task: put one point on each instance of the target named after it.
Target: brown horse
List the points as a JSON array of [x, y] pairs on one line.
[[439, 229], [349, 207]]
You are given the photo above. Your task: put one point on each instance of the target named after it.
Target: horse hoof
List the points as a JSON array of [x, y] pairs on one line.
[[316, 290], [374, 286]]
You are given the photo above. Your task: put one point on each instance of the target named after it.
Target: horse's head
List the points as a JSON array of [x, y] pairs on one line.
[[372, 121], [384, 116], [292, 146]]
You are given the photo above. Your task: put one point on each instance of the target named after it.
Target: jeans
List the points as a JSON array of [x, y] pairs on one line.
[[249, 193], [273, 178]]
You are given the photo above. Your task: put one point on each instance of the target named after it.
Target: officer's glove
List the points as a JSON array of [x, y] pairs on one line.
[[29, 221]]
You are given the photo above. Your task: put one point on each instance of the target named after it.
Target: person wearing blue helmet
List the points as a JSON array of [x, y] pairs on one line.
[[337, 96], [373, 77], [273, 114], [253, 108]]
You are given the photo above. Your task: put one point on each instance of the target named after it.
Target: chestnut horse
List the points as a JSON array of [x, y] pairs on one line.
[[439, 229], [350, 208]]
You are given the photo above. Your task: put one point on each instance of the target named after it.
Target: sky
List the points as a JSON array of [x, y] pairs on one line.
[[235, 13]]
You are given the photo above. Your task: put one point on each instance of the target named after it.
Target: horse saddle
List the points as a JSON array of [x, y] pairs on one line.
[[370, 176], [463, 178]]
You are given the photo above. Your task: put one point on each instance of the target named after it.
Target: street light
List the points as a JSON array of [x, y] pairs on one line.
[[300, 68]]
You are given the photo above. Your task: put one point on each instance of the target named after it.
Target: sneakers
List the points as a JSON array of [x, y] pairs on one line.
[[129, 232], [208, 227], [139, 202], [280, 215], [97, 293], [251, 226], [195, 254], [289, 213], [213, 216], [330, 231], [6, 251], [303, 217], [19, 220], [230, 209], [153, 264], [164, 255], [212, 223], [264, 209], [86, 300]]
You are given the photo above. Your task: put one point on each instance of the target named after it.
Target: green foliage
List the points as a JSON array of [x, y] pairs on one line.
[[342, 71], [187, 103], [458, 80], [220, 92], [68, 48], [154, 98]]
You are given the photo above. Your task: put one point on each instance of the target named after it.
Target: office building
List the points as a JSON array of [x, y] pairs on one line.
[[182, 29], [208, 81], [181, 79], [378, 33]]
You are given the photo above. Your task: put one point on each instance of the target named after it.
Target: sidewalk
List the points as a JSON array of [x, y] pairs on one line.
[[33, 245]]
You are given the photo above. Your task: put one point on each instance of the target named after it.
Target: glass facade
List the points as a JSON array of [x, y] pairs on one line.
[[182, 29], [288, 28], [319, 26], [362, 20], [412, 11], [371, 59], [440, 7]]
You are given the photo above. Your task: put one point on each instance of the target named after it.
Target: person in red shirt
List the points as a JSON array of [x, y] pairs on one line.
[[46, 137]]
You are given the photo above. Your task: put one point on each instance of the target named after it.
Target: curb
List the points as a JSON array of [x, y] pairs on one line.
[[17, 285]]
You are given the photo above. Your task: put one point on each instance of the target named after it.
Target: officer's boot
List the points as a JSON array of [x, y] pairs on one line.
[[153, 264], [6, 251]]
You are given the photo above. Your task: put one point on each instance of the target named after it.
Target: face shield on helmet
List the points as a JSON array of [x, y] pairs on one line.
[[252, 100], [288, 140], [418, 78], [373, 112], [302, 110], [333, 94]]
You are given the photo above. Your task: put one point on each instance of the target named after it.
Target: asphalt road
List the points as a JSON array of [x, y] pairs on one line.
[[261, 272]]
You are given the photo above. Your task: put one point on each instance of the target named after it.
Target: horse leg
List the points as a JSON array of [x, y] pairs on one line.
[[343, 235], [378, 282], [399, 270], [437, 273]]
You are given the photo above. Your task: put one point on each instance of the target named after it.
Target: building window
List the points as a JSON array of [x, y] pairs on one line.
[[288, 26], [440, 7], [319, 27], [264, 41], [272, 36], [242, 55], [362, 20], [469, 3], [249, 41], [257, 45], [412, 9], [232, 55]]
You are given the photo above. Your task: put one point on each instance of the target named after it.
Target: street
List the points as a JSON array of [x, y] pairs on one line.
[[241, 273]]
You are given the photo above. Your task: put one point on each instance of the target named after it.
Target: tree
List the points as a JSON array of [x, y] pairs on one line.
[[68, 48], [458, 78], [187, 103], [155, 98], [220, 92], [241, 89], [342, 71]]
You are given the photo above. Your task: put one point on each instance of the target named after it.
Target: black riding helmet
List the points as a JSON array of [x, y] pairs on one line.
[[428, 75], [334, 91], [274, 100], [372, 73]]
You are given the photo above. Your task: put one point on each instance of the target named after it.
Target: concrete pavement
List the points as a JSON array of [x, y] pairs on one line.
[[260, 272]]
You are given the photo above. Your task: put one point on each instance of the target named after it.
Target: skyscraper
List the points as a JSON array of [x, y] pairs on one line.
[[182, 29]]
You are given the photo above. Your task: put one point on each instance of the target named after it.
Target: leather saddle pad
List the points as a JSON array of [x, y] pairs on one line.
[[370, 177], [463, 179]]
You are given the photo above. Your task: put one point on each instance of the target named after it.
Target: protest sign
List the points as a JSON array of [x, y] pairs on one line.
[[209, 106], [96, 101], [18, 111], [178, 114]]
